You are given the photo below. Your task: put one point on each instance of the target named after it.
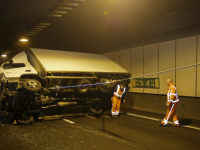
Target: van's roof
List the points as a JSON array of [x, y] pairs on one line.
[[62, 61]]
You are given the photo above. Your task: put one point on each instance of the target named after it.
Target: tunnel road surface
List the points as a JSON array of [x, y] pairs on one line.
[[127, 132]]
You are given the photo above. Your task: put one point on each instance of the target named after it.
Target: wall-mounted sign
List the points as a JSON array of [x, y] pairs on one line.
[[146, 83]]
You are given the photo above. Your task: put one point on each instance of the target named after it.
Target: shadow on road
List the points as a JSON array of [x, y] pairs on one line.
[[185, 121]]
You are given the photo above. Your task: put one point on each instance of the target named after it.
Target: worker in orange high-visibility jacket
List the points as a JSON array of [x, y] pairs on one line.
[[172, 103], [116, 100]]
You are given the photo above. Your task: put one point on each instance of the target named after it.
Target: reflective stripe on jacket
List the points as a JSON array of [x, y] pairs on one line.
[[172, 95], [118, 93]]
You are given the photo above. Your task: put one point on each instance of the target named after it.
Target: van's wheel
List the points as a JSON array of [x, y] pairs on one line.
[[32, 85], [23, 119], [95, 111], [105, 88], [83, 89]]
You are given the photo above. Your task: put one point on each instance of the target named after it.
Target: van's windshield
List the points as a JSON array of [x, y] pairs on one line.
[[13, 65]]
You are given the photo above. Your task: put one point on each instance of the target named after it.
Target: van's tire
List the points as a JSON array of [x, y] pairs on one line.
[[32, 85], [96, 111], [28, 120], [93, 115], [94, 88], [83, 89], [105, 88]]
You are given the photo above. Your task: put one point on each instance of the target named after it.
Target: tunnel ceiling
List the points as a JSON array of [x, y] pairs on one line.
[[95, 26]]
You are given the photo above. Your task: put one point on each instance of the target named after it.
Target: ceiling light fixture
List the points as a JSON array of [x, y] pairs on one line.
[[72, 4], [38, 28], [45, 24], [60, 12], [55, 15], [23, 40], [3, 55], [65, 8]]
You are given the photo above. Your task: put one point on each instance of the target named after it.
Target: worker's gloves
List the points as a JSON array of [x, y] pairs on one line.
[[167, 104]]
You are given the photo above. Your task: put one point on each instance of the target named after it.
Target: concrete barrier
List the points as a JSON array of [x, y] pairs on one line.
[[189, 107]]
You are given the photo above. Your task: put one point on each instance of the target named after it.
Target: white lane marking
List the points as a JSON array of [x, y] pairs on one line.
[[186, 126], [69, 121], [191, 127], [143, 117]]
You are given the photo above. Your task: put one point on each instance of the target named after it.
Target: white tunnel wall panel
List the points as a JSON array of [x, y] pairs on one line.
[[163, 77], [125, 59], [166, 62], [115, 56], [151, 63], [198, 68], [107, 55], [186, 81], [186, 51], [198, 82], [186, 55], [137, 65]]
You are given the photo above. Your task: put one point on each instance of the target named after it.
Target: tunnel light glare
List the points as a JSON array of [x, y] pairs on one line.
[[23, 40], [3, 55], [55, 15], [60, 12], [45, 24], [71, 4], [66, 8]]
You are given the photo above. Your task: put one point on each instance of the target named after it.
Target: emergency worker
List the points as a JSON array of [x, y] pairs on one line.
[[116, 100], [172, 102]]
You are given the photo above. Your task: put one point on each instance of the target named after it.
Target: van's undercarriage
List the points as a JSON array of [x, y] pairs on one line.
[[33, 97]]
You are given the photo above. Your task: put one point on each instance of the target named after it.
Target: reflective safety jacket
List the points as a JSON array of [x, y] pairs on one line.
[[118, 93], [172, 95]]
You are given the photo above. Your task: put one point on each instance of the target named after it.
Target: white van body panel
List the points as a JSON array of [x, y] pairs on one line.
[[67, 61], [17, 72]]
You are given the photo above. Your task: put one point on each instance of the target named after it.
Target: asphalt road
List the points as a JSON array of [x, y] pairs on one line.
[[135, 131]]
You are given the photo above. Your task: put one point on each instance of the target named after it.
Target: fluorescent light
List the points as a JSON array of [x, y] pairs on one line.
[[71, 4], [65, 8], [4, 55], [38, 28], [23, 40], [45, 24], [60, 12], [55, 15]]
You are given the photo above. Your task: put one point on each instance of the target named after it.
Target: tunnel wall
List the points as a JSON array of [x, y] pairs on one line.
[[158, 57], [164, 56]]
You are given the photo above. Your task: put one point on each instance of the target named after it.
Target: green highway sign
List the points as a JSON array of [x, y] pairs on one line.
[[146, 83]]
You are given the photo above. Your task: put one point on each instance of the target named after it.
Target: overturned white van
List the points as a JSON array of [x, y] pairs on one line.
[[40, 82]]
